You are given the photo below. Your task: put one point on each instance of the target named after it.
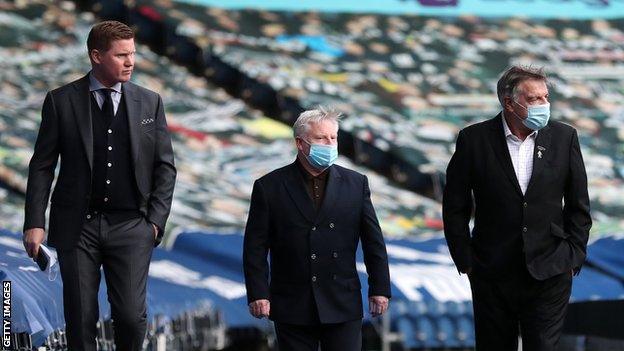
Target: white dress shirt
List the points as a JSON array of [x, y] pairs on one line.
[[94, 88], [521, 153]]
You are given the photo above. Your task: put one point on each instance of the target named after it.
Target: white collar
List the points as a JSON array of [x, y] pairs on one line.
[[508, 131], [95, 84]]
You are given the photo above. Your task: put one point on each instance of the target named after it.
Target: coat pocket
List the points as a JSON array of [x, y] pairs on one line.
[[352, 284], [557, 231]]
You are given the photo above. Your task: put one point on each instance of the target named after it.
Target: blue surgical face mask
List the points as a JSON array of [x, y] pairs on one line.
[[322, 156], [537, 117]]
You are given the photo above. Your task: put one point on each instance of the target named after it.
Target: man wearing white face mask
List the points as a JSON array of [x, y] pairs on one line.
[[523, 176], [310, 216]]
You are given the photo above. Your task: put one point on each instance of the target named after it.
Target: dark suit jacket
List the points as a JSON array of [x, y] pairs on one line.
[[312, 255], [66, 131], [512, 230]]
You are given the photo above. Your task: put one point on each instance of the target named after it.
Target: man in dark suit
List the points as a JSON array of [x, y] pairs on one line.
[[310, 216], [113, 192], [515, 170]]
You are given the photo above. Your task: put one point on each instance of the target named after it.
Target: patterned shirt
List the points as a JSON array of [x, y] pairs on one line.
[[521, 153]]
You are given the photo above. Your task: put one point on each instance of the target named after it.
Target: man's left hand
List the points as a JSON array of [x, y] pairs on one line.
[[377, 305]]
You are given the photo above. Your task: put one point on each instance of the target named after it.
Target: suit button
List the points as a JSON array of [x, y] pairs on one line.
[[110, 148], [110, 131], [313, 278], [110, 165], [334, 254], [313, 256], [105, 199], [313, 228], [525, 204], [331, 225], [88, 216], [107, 181], [525, 229]]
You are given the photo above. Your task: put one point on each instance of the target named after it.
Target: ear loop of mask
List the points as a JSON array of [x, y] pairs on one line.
[[514, 112], [53, 272]]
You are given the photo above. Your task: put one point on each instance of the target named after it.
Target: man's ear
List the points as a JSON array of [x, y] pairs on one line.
[[508, 103], [95, 56], [301, 146]]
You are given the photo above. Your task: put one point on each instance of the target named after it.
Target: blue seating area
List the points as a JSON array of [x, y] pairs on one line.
[[205, 270]]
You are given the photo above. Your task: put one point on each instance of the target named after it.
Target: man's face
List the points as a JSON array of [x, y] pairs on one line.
[[530, 92], [115, 64], [324, 132]]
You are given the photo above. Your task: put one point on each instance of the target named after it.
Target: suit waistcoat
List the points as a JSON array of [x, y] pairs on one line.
[[113, 186]]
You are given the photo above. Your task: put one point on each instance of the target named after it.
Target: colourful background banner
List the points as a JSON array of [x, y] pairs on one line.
[[574, 9]]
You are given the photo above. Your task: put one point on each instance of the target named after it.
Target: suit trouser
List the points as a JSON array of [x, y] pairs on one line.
[[124, 250], [520, 305], [345, 336]]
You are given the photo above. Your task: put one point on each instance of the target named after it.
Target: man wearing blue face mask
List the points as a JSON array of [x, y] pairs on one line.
[[310, 216], [523, 177]]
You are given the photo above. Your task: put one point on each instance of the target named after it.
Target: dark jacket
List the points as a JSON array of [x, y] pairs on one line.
[[312, 255], [66, 131], [511, 230]]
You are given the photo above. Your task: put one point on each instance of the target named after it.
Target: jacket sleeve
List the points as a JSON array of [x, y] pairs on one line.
[[576, 216], [163, 175], [374, 248], [42, 166], [457, 205], [256, 246]]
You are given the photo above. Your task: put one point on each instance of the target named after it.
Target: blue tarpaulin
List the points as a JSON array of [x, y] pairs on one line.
[[431, 303], [606, 254]]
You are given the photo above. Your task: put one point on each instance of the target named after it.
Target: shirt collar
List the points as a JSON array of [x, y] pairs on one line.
[[307, 175], [95, 84], [508, 132]]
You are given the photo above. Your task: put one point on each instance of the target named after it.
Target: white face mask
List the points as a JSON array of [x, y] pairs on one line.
[[52, 267]]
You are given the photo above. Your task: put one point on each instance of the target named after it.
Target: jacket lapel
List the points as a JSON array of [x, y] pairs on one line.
[[81, 105], [331, 194], [295, 186], [133, 106], [499, 144], [542, 144]]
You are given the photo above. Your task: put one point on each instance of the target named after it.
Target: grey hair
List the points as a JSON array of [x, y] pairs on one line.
[[513, 76], [302, 124]]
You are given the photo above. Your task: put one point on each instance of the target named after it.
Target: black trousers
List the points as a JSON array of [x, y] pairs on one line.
[[345, 336], [124, 250], [535, 309]]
